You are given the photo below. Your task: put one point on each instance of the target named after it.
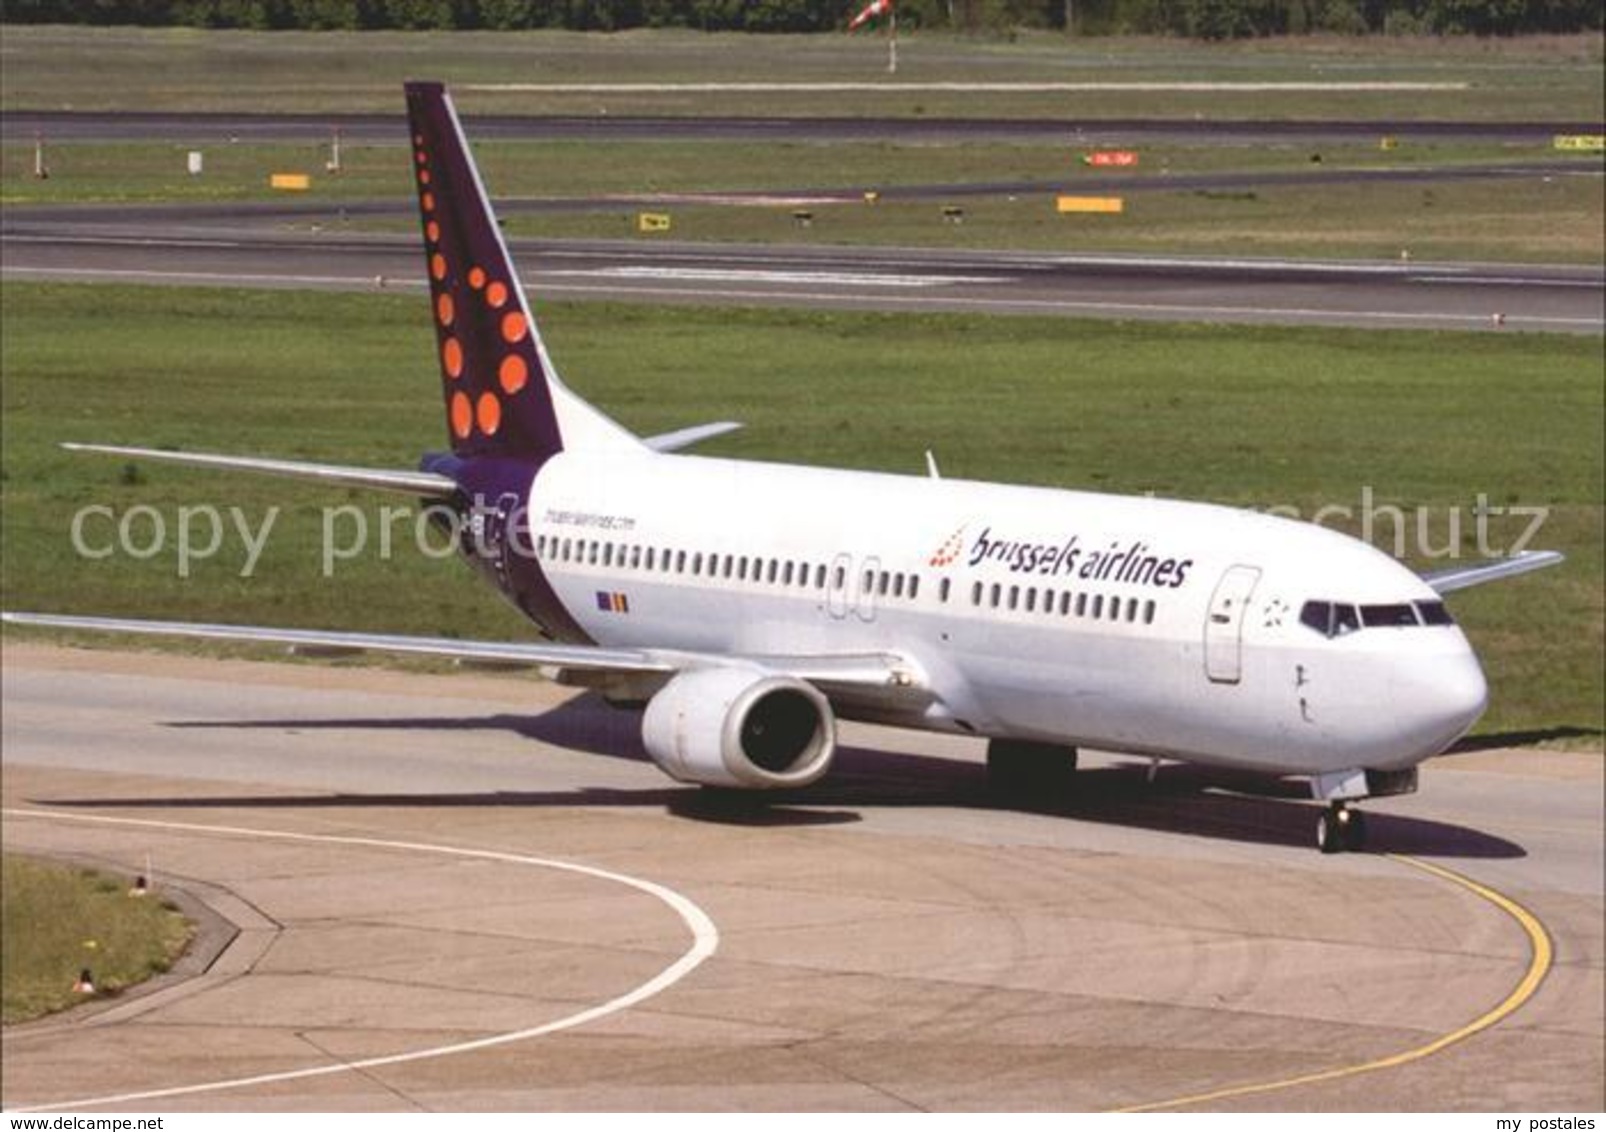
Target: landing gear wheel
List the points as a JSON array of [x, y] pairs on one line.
[[1340, 829], [1329, 839], [1355, 833], [1029, 771]]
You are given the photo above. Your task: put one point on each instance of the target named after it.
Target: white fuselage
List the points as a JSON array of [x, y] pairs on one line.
[[1132, 624]]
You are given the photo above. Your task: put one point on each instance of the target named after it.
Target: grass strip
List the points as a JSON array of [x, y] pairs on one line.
[[1432, 442], [60, 920]]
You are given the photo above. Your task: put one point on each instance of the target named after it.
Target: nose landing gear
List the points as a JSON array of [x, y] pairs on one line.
[[1340, 829]]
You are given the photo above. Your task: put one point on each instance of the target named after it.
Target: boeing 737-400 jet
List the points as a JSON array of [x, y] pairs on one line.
[[750, 605]]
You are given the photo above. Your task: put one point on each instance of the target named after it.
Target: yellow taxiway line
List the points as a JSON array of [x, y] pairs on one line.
[[1538, 966]]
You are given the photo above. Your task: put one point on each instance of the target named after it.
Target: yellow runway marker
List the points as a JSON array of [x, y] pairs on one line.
[[1538, 967]]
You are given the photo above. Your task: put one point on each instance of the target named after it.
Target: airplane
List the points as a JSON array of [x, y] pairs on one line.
[[748, 606]]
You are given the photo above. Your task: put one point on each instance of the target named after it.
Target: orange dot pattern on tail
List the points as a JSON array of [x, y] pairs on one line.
[[489, 349], [488, 414], [512, 374]]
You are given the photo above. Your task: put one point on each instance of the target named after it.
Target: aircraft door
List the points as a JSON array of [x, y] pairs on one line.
[[864, 605], [1224, 624], [836, 593], [499, 541]]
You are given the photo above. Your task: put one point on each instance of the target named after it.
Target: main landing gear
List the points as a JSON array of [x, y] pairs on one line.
[[1341, 829], [1030, 772]]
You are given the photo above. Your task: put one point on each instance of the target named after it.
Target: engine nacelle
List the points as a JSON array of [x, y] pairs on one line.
[[740, 728]]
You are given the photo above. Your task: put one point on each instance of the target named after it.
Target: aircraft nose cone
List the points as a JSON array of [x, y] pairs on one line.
[[1439, 697]]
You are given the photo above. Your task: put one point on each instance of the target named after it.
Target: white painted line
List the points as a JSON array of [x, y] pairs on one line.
[[758, 275], [956, 87], [705, 941]]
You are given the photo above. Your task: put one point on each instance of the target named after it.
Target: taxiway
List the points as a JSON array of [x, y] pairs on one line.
[[450, 891]]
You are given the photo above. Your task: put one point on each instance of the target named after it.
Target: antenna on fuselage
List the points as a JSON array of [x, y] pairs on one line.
[[931, 466]]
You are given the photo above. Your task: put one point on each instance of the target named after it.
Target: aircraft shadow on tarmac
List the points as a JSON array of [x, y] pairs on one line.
[[1179, 798]]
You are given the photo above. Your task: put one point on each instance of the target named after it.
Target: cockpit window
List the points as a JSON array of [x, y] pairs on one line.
[[1318, 615], [1330, 618], [1336, 618], [1388, 616], [1434, 613]]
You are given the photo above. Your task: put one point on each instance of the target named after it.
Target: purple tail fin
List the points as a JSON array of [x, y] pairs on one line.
[[495, 374]]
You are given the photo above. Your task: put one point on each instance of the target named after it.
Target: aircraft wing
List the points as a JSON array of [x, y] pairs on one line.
[[412, 483], [1464, 577], [871, 670]]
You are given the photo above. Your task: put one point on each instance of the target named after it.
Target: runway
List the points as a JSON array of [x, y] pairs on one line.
[[400, 854], [234, 246]]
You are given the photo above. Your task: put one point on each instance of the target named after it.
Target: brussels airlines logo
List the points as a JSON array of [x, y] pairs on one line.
[[948, 553], [1133, 562]]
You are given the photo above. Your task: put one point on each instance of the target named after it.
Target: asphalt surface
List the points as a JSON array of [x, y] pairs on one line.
[[244, 246], [472, 892]]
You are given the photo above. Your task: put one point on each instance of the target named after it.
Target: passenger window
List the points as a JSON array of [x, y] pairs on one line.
[[1065, 603], [1148, 613], [1031, 599], [975, 593], [1098, 606], [1081, 605], [914, 586], [995, 595]]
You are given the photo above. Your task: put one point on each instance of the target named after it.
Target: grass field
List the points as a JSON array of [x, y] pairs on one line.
[[1251, 416], [1506, 80], [56, 921], [1552, 218]]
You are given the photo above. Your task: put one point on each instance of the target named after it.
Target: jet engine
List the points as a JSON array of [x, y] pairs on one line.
[[740, 728]]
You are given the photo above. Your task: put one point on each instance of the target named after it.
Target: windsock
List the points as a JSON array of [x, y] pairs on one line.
[[871, 10]]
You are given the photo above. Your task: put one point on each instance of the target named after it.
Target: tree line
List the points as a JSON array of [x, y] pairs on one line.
[[1201, 19]]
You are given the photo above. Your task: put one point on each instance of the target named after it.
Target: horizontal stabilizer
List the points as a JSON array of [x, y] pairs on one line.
[[412, 483], [1464, 577], [686, 437]]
